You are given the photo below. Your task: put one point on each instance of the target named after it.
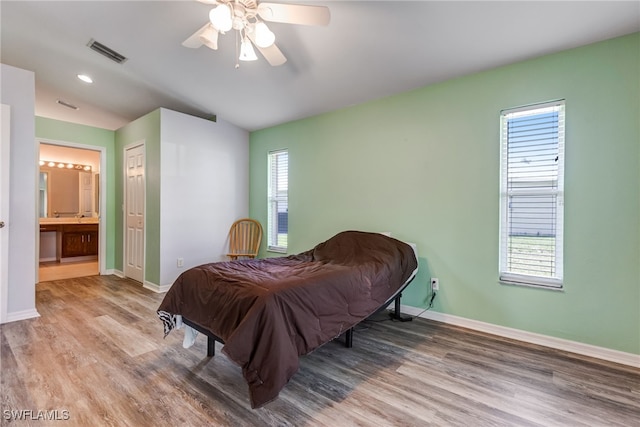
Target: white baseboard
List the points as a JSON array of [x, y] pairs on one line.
[[115, 272], [21, 315], [603, 353], [146, 284], [156, 288]]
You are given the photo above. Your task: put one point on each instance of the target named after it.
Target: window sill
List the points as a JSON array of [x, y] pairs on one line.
[[277, 250], [527, 284]]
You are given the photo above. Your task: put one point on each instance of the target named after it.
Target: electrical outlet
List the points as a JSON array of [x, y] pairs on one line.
[[180, 262], [435, 284]]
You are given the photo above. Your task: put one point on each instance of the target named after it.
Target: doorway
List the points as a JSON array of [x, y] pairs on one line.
[[72, 206]]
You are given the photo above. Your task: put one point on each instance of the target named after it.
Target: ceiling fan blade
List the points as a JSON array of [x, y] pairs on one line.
[[194, 40], [272, 54], [294, 13]]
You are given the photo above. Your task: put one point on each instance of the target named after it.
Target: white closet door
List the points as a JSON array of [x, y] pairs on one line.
[[134, 209]]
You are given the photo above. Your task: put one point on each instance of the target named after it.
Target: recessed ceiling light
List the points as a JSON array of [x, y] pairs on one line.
[[85, 78]]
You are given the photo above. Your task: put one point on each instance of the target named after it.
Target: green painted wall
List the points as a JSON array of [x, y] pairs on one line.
[[87, 135], [147, 129], [425, 166]]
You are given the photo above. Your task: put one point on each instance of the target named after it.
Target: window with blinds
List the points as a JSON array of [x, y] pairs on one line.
[[531, 195], [278, 201]]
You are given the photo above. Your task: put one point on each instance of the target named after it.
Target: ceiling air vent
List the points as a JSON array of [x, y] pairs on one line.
[[105, 51], [66, 104]]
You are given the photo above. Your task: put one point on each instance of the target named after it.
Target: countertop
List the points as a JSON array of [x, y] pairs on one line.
[[87, 220]]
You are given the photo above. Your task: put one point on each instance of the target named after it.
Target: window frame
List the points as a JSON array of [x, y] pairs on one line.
[[274, 198], [507, 275]]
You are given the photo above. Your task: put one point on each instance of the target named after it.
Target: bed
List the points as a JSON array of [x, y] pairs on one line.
[[268, 312]]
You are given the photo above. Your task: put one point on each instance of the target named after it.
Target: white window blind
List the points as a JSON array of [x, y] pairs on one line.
[[278, 201], [532, 194]]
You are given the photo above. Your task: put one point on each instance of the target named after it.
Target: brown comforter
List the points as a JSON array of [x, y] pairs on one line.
[[270, 311]]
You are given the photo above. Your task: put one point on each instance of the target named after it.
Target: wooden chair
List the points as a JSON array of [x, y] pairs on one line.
[[245, 236]]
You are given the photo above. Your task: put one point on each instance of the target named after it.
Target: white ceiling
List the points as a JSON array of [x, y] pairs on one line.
[[370, 50]]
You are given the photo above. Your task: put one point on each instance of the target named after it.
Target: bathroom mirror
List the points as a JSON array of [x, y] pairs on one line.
[[66, 193], [68, 184]]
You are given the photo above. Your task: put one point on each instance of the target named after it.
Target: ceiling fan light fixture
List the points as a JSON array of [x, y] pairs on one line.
[[264, 36], [248, 18], [209, 38], [246, 51], [220, 17]]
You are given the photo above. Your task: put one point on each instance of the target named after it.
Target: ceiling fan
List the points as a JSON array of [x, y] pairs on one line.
[[247, 18]]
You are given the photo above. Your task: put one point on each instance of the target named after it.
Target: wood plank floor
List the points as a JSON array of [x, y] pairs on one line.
[[48, 271], [97, 357]]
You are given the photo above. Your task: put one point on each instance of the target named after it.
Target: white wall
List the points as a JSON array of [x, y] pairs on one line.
[[18, 91], [204, 188]]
